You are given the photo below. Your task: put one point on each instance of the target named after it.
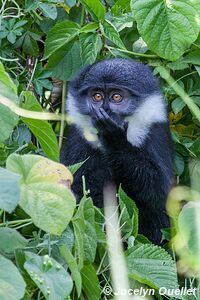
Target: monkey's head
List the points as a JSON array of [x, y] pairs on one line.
[[121, 87]]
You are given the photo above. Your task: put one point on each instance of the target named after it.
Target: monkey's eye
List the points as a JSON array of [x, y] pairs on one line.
[[97, 97], [116, 97]]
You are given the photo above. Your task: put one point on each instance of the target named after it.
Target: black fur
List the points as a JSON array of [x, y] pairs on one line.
[[145, 172]]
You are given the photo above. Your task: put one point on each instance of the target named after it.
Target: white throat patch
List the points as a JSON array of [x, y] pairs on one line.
[[153, 110]]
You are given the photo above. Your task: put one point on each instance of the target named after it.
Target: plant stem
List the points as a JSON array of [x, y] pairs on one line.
[[17, 222], [132, 53], [62, 123], [32, 114]]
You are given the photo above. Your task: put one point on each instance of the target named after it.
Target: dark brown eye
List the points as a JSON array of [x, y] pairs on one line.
[[116, 97], [97, 97]]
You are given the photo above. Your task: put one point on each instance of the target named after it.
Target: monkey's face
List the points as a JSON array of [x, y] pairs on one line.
[[118, 86], [117, 102]]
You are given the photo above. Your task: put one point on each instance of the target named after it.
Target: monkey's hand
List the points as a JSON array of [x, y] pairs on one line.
[[111, 134]]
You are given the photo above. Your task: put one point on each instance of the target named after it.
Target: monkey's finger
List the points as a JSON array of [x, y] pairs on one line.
[[107, 119]]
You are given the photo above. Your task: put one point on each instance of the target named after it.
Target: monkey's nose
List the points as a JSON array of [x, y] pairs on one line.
[[107, 109]]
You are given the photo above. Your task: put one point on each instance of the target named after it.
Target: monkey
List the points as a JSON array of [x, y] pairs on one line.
[[121, 130]]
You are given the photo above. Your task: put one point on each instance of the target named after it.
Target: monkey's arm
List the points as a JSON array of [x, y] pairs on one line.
[[140, 170], [145, 176]]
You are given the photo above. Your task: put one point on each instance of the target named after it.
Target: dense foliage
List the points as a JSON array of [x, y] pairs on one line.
[[50, 248]]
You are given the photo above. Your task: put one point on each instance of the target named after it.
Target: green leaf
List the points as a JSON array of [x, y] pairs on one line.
[[196, 147], [90, 27], [74, 168], [71, 262], [119, 6], [11, 37], [110, 32], [8, 119], [90, 44], [9, 190], [177, 105], [11, 240], [90, 237], [193, 58], [30, 46], [49, 10], [60, 35], [128, 216], [186, 241], [41, 129], [11, 282], [90, 282], [70, 3], [194, 166], [79, 228], [95, 8], [45, 195], [31, 5], [50, 277], [65, 63], [179, 164], [168, 27], [153, 266]]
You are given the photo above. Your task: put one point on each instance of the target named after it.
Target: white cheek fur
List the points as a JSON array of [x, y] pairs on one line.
[[153, 110], [82, 122]]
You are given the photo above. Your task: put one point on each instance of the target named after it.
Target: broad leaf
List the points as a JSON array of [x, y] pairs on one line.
[[50, 277], [110, 32], [90, 44], [8, 119], [11, 240], [49, 10], [60, 35], [168, 27], [45, 195], [41, 129], [65, 62], [12, 285], [9, 190], [153, 266], [95, 8]]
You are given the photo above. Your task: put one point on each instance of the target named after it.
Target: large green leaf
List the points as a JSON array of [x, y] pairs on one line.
[[44, 192], [95, 8], [153, 266], [65, 62], [60, 35], [168, 27], [12, 285], [51, 278], [41, 129], [8, 119], [9, 190], [90, 44]]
